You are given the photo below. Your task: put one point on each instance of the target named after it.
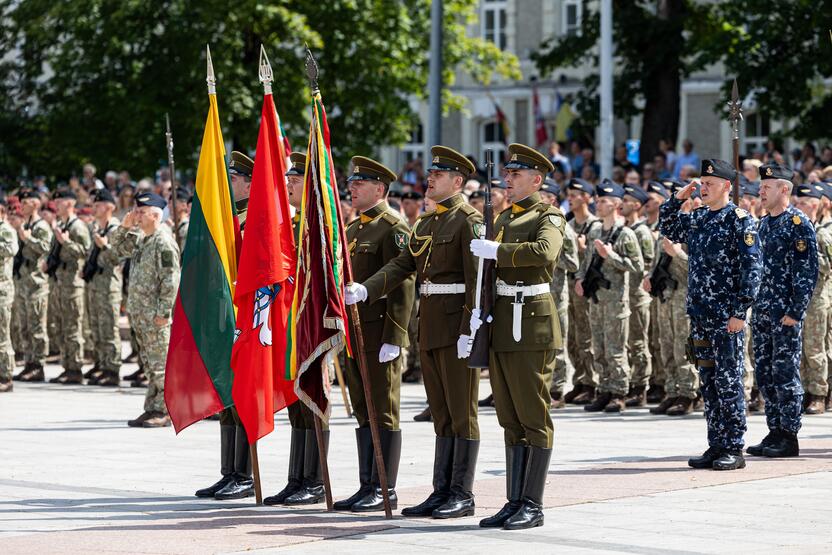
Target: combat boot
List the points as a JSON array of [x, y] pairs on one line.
[[637, 397], [785, 445], [600, 402], [771, 438], [442, 464], [681, 407], [312, 490], [92, 372], [109, 378], [530, 513], [6, 386], [662, 407], [655, 394], [515, 473], [424, 416], [243, 484], [487, 402], [615, 404], [817, 405], [157, 420], [569, 398], [23, 374], [132, 357], [226, 463], [69, 377], [461, 501], [34, 374], [364, 443], [296, 450], [60, 377], [140, 381], [585, 397], [391, 451], [557, 401], [137, 422], [756, 403], [135, 375], [706, 460], [729, 460]]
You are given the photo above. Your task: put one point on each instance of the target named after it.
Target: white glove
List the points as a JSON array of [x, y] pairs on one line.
[[463, 346], [354, 293], [389, 352], [483, 248], [476, 322]]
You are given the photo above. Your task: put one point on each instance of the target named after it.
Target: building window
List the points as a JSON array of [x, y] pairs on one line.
[[493, 138], [571, 17], [757, 130], [412, 150], [494, 22]]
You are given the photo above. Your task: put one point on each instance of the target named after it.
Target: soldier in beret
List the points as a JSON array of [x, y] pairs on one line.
[[8, 250], [438, 252], [183, 209], [790, 273], [154, 280], [657, 193], [34, 235], [724, 277], [525, 333]]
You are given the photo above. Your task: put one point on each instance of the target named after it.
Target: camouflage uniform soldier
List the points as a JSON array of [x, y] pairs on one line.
[[657, 194], [790, 274], [8, 251], [579, 337], [826, 223], [814, 368], [154, 280], [183, 207], [750, 201], [69, 249], [618, 253], [102, 272], [32, 286]]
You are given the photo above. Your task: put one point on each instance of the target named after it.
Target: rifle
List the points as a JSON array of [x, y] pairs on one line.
[[661, 280], [486, 279], [53, 260], [594, 278], [91, 266]]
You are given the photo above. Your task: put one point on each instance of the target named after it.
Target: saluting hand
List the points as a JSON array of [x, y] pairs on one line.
[[685, 192]]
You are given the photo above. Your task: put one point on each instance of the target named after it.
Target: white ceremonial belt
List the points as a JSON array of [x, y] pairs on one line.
[[519, 293], [427, 289]]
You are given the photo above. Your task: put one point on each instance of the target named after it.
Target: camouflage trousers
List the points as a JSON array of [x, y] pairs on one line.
[[33, 303], [70, 328], [104, 304], [681, 378], [6, 350], [719, 357], [153, 350], [579, 339], [562, 363], [657, 371], [53, 320], [17, 314], [814, 367], [777, 351], [638, 340], [611, 320]]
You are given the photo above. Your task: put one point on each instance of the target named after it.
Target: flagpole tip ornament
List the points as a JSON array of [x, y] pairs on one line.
[[312, 71], [266, 74], [210, 78]]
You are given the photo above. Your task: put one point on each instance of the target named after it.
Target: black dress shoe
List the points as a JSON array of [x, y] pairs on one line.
[[706, 460], [237, 488], [424, 416], [297, 446], [435, 500], [757, 450], [461, 501], [210, 491], [487, 402], [786, 445], [730, 460]]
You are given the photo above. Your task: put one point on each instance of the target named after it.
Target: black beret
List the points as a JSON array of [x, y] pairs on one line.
[[610, 189], [748, 187], [64, 193], [637, 193], [28, 193], [447, 159], [103, 195], [811, 190], [150, 199], [658, 188], [241, 164], [412, 195], [550, 186], [582, 185], [182, 194], [717, 168], [522, 157], [773, 170], [476, 194]]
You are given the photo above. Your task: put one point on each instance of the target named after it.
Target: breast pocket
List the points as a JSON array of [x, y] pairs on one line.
[[365, 259], [444, 249]]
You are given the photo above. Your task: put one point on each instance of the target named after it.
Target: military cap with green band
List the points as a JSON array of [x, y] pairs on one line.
[[367, 169], [522, 157], [446, 159], [241, 164]]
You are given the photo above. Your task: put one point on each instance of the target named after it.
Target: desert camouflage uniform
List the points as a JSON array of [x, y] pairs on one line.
[[71, 292], [104, 301], [8, 249]]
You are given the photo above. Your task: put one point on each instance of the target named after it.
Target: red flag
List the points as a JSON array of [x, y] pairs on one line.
[[540, 133], [265, 287]]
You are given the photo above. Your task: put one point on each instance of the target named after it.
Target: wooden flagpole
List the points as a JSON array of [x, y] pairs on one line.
[[255, 469], [319, 436], [339, 375]]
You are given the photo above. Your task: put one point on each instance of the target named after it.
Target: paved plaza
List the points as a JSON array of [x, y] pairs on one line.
[[76, 479]]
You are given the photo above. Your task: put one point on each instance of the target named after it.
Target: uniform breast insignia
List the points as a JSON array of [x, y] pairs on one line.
[[740, 213], [499, 237], [800, 245], [351, 246], [749, 239], [796, 219], [556, 220], [400, 240]]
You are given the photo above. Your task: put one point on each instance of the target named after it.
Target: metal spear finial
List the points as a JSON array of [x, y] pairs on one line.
[[312, 71], [735, 105], [210, 78], [266, 74], [168, 136]]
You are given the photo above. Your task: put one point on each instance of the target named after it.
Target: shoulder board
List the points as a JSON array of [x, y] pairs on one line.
[[468, 209], [425, 215], [740, 213], [354, 221], [390, 218]]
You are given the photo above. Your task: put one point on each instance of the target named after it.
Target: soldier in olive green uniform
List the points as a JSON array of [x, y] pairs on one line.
[[8, 250], [378, 235], [525, 334], [439, 253], [305, 484], [71, 243]]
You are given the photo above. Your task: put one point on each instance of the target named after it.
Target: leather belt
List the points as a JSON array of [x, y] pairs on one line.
[[519, 292], [427, 289]]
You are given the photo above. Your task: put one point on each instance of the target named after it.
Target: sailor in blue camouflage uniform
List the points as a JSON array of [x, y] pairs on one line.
[[790, 273], [724, 276]]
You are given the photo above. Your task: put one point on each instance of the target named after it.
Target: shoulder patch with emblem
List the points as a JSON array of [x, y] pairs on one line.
[[390, 218], [800, 244], [7, 235], [740, 213], [749, 239], [167, 259], [796, 220], [556, 220], [478, 230], [400, 240]]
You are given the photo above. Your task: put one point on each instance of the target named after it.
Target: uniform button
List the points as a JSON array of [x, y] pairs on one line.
[[436, 217], [361, 226], [511, 216], [532, 314]]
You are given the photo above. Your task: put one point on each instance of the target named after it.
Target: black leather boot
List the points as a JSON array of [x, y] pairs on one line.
[[730, 460], [243, 484], [706, 460], [364, 442], [515, 473], [442, 464], [461, 501], [226, 463], [530, 513], [757, 450], [786, 445], [602, 399], [391, 451], [312, 490], [296, 448]]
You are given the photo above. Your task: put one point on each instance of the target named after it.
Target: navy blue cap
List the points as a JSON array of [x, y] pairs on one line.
[[658, 188], [827, 189], [773, 170], [550, 186], [103, 195], [748, 187], [64, 193], [672, 185], [577, 184], [811, 190], [637, 193], [412, 195], [717, 168], [610, 189], [150, 199]]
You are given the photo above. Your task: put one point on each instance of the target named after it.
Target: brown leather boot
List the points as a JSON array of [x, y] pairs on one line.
[[569, 398], [664, 405], [637, 397], [817, 404], [557, 401], [616, 404], [600, 402], [586, 396], [655, 394], [681, 407], [33, 375]]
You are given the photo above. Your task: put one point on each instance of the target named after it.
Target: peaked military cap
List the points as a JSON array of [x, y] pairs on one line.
[[522, 157], [412, 195], [717, 168], [811, 190], [448, 160], [150, 199], [550, 186], [498, 184], [28, 193], [637, 193], [577, 184], [298, 160], [476, 194], [610, 189], [658, 188], [773, 170], [241, 164], [103, 195], [64, 193], [367, 169]]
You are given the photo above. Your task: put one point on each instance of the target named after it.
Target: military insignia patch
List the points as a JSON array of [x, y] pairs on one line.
[[749, 239], [167, 259], [400, 239], [796, 219], [478, 230], [740, 213], [801, 245], [710, 169], [436, 159], [513, 157], [556, 220], [356, 170], [768, 171]]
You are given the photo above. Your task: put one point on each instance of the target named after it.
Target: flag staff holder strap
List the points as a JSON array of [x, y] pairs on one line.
[[339, 375], [312, 74]]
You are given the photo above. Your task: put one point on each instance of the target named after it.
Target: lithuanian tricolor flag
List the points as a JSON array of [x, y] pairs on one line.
[[198, 374]]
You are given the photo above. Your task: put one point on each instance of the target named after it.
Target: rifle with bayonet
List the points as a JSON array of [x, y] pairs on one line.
[[486, 279]]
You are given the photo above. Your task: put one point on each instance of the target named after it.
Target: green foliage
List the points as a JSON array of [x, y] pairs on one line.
[[91, 80]]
